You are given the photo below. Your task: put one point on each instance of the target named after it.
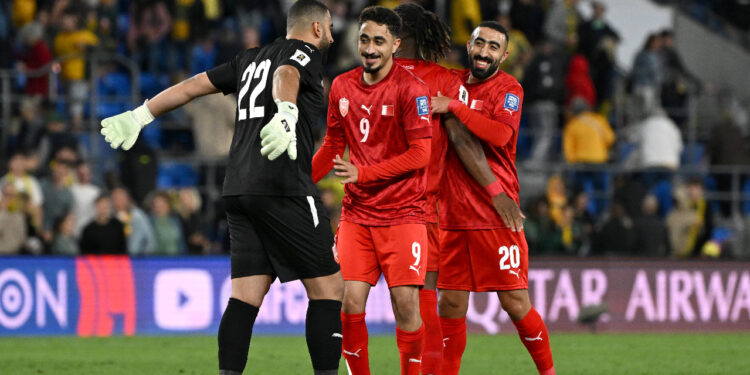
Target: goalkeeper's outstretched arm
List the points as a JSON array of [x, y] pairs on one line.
[[180, 94], [123, 129]]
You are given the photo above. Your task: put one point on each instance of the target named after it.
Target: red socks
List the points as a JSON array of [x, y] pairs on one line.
[[354, 346], [432, 354], [454, 343], [410, 346], [534, 336]]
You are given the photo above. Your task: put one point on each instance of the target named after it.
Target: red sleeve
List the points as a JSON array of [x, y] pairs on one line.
[[498, 130], [414, 110], [416, 156], [333, 144]]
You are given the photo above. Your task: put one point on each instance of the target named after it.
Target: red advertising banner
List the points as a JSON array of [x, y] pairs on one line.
[[638, 295]]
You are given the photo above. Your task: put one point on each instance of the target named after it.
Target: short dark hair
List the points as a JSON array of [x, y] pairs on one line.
[[313, 10], [382, 16], [495, 26], [432, 36]]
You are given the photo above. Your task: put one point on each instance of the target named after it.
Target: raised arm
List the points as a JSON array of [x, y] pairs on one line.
[[123, 129], [180, 94]]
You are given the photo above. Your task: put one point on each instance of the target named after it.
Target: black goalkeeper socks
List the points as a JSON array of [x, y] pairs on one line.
[[323, 333], [235, 330]]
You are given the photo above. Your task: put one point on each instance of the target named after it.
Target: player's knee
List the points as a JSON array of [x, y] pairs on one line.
[[452, 305], [515, 303], [352, 306], [329, 287]]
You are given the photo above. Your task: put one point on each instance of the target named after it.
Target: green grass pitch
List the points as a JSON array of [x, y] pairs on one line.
[[573, 353]]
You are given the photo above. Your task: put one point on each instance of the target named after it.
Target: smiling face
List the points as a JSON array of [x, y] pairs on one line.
[[487, 49], [376, 46]]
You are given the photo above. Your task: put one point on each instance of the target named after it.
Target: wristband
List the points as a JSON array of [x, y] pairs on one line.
[[453, 104], [494, 188], [288, 109], [142, 115]]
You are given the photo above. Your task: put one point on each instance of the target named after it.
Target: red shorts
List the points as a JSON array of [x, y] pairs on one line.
[[398, 251], [433, 247], [483, 260]]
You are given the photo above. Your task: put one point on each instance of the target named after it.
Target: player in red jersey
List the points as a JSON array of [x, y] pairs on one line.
[[381, 111], [424, 40], [474, 236]]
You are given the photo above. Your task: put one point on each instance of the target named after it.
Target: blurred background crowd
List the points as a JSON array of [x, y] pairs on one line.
[[643, 160]]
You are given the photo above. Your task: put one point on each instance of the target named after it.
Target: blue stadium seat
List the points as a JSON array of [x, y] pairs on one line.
[[176, 175], [693, 156], [152, 134], [746, 192], [525, 140], [114, 92], [663, 192], [152, 85]]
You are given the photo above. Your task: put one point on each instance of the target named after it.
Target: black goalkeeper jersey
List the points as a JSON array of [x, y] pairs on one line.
[[250, 75]]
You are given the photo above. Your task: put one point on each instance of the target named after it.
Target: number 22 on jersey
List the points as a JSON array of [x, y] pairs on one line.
[[252, 72]]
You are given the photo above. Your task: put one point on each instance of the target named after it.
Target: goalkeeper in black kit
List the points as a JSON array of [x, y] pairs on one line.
[[278, 226]]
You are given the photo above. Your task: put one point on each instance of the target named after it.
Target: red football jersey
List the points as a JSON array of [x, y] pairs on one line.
[[378, 121], [464, 204], [438, 79]]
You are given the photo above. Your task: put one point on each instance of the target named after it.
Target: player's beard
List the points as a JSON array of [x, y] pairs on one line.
[[483, 73], [374, 68]]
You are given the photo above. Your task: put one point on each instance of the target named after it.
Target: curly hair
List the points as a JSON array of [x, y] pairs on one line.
[[432, 36]]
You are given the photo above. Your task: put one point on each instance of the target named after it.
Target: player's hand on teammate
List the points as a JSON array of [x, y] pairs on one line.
[[280, 135], [440, 103], [123, 129], [345, 169], [509, 211]]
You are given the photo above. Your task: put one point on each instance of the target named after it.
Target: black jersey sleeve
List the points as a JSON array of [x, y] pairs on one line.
[[225, 77], [306, 58]]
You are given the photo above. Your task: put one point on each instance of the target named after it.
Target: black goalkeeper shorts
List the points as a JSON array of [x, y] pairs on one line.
[[285, 237]]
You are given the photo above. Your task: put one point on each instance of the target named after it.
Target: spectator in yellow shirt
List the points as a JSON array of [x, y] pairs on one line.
[[70, 46], [22, 12], [587, 136], [465, 16]]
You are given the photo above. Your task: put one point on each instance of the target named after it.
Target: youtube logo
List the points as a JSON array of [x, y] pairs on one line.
[[183, 299]]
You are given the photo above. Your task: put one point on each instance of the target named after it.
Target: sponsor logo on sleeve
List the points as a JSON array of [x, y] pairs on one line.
[[300, 57], [423, 106], [511, 102]]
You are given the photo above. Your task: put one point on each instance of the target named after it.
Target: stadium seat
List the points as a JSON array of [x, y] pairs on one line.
[[693, 156], [663, 192], [745, 199], [175, 175]]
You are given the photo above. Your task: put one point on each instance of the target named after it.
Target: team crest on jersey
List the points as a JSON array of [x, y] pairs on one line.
[[300, 57], [343, 106], [477, 105], [423, 106], [511, 102]]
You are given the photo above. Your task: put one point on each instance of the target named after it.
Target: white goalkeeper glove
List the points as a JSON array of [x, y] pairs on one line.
[[280, 134], [123, 129]]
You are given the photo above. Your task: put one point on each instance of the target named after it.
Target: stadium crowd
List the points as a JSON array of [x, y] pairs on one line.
[[57, 198]]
